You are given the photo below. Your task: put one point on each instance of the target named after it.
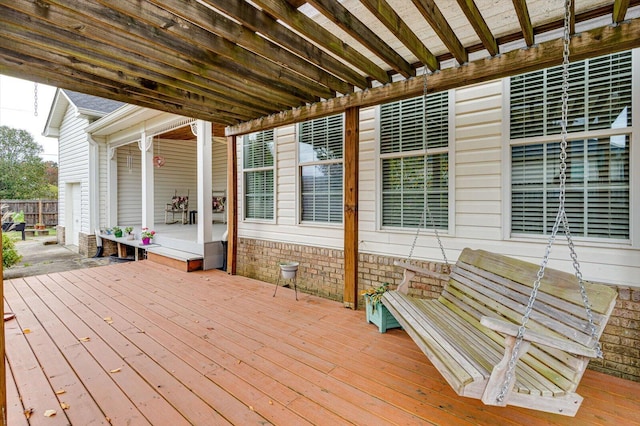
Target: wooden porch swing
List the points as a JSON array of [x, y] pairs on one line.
[[487, 335]]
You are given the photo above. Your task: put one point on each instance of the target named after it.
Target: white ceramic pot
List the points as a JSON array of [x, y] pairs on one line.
[[288, 269]]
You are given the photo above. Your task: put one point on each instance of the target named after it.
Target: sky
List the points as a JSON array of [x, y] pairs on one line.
[[17, 111]]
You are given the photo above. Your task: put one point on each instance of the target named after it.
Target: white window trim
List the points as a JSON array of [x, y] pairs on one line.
[[242, 196], [450, 150], [298, 195], [634, 166]]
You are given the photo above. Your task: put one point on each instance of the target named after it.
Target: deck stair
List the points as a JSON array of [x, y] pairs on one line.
[[178, 259]]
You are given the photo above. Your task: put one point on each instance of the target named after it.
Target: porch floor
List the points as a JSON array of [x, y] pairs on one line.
[[138, 343]]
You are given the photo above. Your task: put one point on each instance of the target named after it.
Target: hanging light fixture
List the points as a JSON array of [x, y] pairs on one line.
[[158, 160]]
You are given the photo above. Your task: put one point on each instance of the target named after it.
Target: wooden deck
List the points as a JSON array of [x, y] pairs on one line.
[[139, 343]]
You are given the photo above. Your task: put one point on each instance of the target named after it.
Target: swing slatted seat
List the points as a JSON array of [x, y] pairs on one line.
[[468, 333]]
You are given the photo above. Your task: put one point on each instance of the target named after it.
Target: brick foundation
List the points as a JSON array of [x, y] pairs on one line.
[[621, 338], [321, 273], [86, 244]]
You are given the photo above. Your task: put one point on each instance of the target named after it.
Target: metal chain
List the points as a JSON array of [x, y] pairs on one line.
[[35, 99], [536, 285], [426, 210]]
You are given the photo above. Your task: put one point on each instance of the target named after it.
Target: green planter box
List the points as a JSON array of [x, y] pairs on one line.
[[380, 317]]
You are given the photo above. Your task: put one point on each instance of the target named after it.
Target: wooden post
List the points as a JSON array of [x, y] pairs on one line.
[[232, 204], [3, 372], [351, 178]]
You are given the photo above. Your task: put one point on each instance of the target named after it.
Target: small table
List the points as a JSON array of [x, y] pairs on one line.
[[193, 217]]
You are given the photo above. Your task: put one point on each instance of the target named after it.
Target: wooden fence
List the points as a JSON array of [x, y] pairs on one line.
[[35, 211]]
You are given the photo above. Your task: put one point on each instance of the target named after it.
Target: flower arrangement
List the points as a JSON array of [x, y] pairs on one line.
[[128, 229], [374, 294], [147, 233]]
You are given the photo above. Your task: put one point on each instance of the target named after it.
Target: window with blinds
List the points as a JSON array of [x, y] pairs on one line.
[[414, 159], [320, 147], [597, 175], [259, 172]]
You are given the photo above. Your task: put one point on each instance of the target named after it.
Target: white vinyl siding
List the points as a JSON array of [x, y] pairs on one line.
[[320, 152], [177, 176], [598, 156], [259, 175], [73, 160], [414, 162]]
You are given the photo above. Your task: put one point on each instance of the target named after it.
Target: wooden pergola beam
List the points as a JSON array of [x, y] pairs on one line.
[[596, 42], [341, 16], [385, 14], [258, 21], [438, 22], [282, 10], [525, 21], [478, 23]]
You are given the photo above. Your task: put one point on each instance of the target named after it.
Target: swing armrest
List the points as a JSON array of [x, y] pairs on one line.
[[422, 271], [511, 329]]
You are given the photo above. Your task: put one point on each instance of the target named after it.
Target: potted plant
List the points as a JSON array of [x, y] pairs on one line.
[[146, 235], [128, 230], [117, 231], [377, 313]]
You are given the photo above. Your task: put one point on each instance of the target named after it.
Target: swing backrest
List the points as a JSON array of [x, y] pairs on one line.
[[484, 283]]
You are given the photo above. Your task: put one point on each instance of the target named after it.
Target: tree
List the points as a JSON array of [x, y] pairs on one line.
[[23, 173]]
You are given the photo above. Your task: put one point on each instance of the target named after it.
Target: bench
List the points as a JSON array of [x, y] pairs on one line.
[[468, 332]]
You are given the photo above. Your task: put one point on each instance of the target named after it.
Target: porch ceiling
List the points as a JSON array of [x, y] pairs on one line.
[[262, 63]]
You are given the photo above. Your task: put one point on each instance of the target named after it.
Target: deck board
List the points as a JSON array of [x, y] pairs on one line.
[[209, 348]]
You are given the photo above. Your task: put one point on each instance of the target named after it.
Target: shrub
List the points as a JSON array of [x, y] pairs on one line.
[[10, 255]]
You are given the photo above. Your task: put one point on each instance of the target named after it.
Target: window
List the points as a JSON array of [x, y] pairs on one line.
[[259, 171], [597, 191], [415, 162], [320, 144]]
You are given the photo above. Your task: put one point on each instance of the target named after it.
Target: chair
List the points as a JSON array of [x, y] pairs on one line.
[[179, 205]]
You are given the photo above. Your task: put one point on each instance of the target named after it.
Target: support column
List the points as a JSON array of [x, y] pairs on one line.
[[94, 186], [112, 190], [351, 179], [146, 149], [204, 166], [232, 204]]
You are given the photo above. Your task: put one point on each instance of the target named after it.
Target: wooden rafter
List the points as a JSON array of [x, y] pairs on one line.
[[339, 14], [258, 21], [620, 10], [479, 25], [208, 21], [525, 20], [300, 22], [244, 60], [439, 23], [385, 14]]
